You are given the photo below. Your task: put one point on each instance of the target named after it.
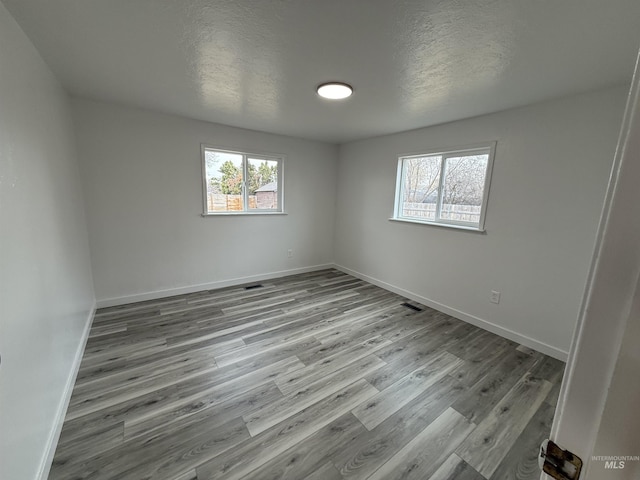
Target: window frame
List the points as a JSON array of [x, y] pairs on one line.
[[246, 156], [487, 147]]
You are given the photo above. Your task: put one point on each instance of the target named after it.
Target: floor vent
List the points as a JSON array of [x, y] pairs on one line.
[[251, 287], [412, 307]]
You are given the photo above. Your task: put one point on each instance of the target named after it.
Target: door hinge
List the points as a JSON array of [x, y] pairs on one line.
[[558, 463]]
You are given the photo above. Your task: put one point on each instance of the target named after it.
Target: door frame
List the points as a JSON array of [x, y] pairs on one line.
[[608, 297]]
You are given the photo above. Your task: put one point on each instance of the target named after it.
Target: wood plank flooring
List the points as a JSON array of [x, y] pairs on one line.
[[315, 376]]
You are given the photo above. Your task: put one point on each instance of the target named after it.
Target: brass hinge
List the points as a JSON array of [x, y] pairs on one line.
[[558, 463]]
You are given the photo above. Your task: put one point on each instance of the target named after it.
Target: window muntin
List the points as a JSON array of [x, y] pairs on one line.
[[238, 182], [446, 188]]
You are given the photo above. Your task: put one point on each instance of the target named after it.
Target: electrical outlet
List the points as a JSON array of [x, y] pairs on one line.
[[290, 253], [495, 297]]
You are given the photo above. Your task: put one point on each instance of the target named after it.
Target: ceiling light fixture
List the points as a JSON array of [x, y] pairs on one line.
[[335, 90]]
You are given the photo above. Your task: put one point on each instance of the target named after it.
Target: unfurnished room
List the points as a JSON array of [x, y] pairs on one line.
[[324, 240]]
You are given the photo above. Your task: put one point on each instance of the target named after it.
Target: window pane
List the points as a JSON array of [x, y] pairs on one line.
[[262, 184], [463, 188], [224, 181], [421, 177]]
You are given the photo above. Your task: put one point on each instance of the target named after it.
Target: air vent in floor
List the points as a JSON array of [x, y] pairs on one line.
[[412, 307]]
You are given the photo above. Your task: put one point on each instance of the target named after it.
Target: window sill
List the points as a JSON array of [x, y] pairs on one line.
[[437, 224], [240, 214]]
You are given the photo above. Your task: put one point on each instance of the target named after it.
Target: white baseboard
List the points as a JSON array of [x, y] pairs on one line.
[[47, 459], [472, 319], [140, 297], [45, 466]]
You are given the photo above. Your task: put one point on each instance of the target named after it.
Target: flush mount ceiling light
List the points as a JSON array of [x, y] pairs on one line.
[[335, 90]]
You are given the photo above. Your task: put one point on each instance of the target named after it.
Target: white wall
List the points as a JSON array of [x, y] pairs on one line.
[[46, 293], [143, 189], [550, 174]]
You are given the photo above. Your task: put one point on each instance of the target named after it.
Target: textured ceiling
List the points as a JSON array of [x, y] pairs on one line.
[[256, 63]]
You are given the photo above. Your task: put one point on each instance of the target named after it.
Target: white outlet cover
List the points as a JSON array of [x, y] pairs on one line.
[[495, 297]]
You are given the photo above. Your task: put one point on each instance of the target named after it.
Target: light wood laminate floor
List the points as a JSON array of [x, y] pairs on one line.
[[317, 376]]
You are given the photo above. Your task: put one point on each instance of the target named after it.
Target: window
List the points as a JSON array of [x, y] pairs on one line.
[[445, 188], [238, 182]]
